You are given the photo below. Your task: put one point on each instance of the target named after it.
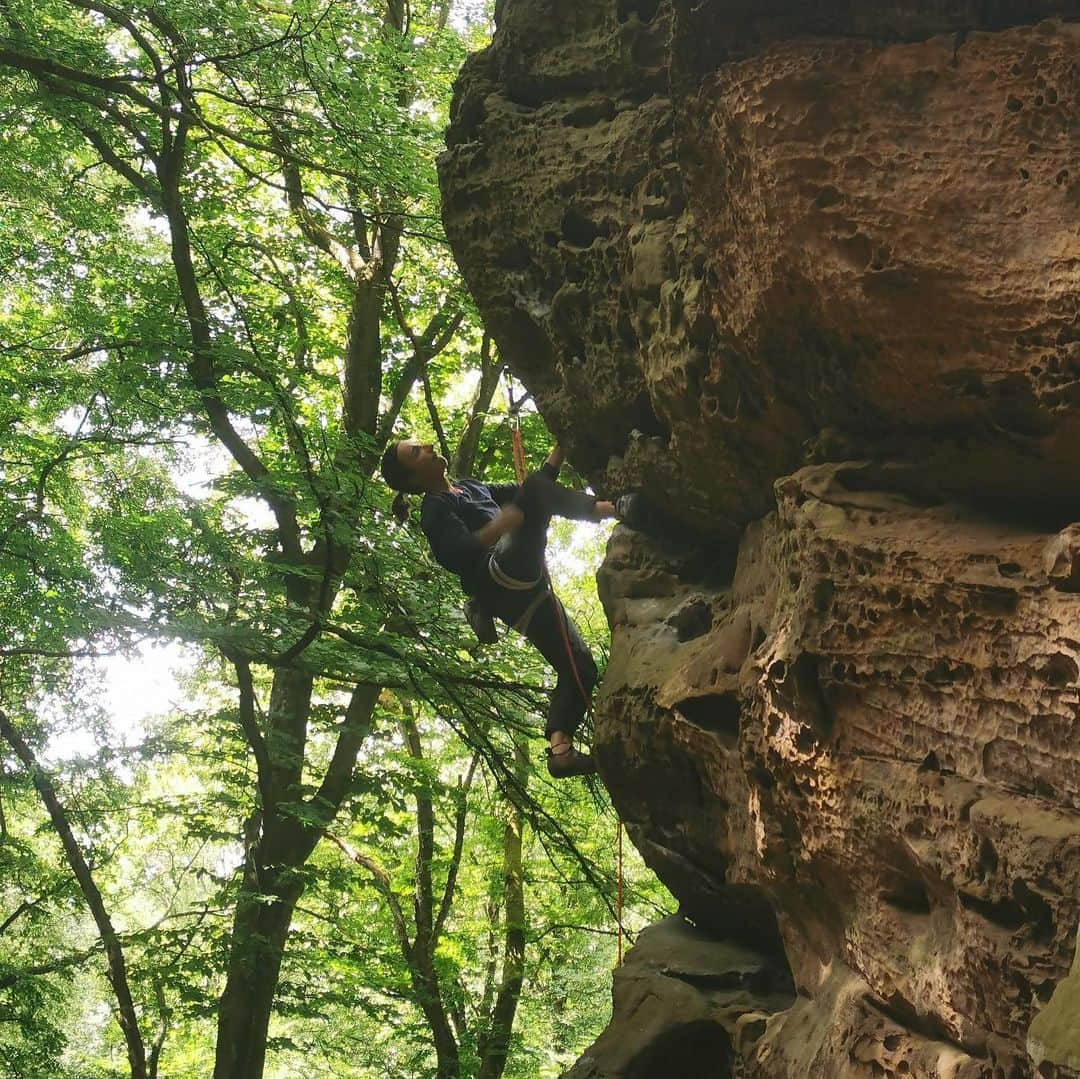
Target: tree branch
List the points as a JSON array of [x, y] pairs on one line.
[[410, 372], [313, 230], [357, 726], [455, 858], [423, 898], [54, 966], [117, 968], [465, 458], [433, 412], [250, 726], [204, 376], [384, 885], [24, 907], [120, 18], [164, 1015], [42, 67]]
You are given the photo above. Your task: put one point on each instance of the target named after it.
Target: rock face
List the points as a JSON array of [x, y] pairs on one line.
[[810, 276], [692, 1001]]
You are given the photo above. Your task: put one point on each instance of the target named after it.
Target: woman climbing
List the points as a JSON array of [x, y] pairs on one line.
[[494, 537]]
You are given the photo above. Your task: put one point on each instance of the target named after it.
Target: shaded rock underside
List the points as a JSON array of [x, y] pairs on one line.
[[809, 275]]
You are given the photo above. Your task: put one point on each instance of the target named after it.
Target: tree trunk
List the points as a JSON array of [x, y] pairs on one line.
[[495, 1046], [258, 945], [261, 924], [426, 986], [465, 458], [421, 957], [114, 953]]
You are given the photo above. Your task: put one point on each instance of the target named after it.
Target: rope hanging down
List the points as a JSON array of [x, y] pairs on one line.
[[519, 472], [519, 451], [561, 616]]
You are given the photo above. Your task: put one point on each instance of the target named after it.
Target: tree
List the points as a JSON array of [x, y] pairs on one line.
[[437, 988], [203, 123], [225, 284]]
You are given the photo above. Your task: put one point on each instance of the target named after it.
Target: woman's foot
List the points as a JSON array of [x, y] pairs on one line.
[[563, 761]]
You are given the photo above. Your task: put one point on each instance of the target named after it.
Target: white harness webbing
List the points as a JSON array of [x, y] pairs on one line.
[[504, 580]]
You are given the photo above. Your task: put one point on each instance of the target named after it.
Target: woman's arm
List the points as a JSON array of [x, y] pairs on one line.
[[555, 460], [508, 520]]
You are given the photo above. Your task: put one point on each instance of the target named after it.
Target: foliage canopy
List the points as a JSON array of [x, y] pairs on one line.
[[225, 287]]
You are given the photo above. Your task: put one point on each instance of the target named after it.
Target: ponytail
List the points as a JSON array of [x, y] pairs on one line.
[[397, 479]]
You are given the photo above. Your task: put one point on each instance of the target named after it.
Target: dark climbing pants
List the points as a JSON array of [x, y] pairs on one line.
[[569, 701], [520, 558], [521, 554]]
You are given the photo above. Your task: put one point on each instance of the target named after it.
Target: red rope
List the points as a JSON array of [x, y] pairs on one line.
[[585, 696], [519, 454], [519, 472], [618, 907]]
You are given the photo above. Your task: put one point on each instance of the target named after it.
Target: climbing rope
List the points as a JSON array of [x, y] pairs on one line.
[[514, 408], [519, 472], [519, 451], [618, 902]]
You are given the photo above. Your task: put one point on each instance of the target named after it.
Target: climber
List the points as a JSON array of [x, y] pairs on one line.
[[494, 537]]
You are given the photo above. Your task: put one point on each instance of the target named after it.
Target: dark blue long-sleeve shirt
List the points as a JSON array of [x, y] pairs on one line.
[[449, 520]]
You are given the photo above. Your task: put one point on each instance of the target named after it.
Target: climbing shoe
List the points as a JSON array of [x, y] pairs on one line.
[[569, 762], [637, 512]]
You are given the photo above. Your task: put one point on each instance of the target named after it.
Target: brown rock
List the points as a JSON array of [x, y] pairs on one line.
[[894, 766], [694, 222], [809, 274], [1062, 560], [687, 1004]]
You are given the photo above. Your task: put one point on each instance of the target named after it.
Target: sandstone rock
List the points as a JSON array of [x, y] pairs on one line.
[[1062, 560], [809, 274], [1054, 1038], [695, 221], [893, 766], [687, 1003]]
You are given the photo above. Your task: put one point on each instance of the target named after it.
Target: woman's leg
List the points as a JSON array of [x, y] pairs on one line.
[[520, 554], [568, 701]]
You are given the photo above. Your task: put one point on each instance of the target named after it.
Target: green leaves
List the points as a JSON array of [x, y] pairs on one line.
[[225, 283]]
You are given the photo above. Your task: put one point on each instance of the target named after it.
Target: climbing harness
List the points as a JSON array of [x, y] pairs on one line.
[[522, 624]]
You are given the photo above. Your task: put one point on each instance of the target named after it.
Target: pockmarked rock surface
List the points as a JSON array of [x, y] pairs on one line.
[[809, 275], [685, 998]]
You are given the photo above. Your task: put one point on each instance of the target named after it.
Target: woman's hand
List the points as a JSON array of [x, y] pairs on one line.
[[508, 520], [556, 457]]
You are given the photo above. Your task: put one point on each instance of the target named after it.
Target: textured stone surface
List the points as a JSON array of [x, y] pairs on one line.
[[809, 274], [876, 728], [686, 1004], [818, 233], [1054, 1037]]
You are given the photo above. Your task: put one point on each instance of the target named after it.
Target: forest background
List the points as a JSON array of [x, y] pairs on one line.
[[329, 851]]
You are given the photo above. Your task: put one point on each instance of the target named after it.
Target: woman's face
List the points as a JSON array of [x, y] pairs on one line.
[[423, 463]]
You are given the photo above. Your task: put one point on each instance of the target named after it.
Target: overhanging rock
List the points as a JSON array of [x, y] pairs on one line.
[[810, 276]]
